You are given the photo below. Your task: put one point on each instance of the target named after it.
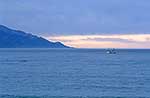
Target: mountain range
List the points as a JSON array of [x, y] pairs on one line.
[[10, 38]]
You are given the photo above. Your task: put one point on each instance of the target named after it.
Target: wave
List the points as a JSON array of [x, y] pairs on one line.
[[15, 96]]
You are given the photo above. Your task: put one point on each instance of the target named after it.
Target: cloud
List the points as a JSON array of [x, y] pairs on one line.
[[105, 41], [75, 17], [111, 40]]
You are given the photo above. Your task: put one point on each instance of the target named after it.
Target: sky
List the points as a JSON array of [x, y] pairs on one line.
[[82, 23]]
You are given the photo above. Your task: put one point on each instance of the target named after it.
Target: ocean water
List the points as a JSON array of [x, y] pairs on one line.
[[74, 73]]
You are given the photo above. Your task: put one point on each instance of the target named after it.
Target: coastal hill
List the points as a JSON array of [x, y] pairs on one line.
[[10, 38]]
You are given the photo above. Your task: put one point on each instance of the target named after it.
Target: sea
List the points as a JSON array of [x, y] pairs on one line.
[[74, 73]]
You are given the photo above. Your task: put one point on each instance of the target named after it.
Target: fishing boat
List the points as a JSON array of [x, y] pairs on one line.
[[111, 51]]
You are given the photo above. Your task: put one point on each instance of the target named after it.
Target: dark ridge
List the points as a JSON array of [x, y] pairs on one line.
[[10, 38]]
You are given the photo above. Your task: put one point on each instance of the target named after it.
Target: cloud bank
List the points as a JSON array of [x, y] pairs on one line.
[[105, 41], [75, 17]]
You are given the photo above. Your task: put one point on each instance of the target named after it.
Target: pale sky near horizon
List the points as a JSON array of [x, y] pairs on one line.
[[82, 23]]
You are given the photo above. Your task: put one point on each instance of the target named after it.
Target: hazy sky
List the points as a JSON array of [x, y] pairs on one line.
[[77, 17]]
